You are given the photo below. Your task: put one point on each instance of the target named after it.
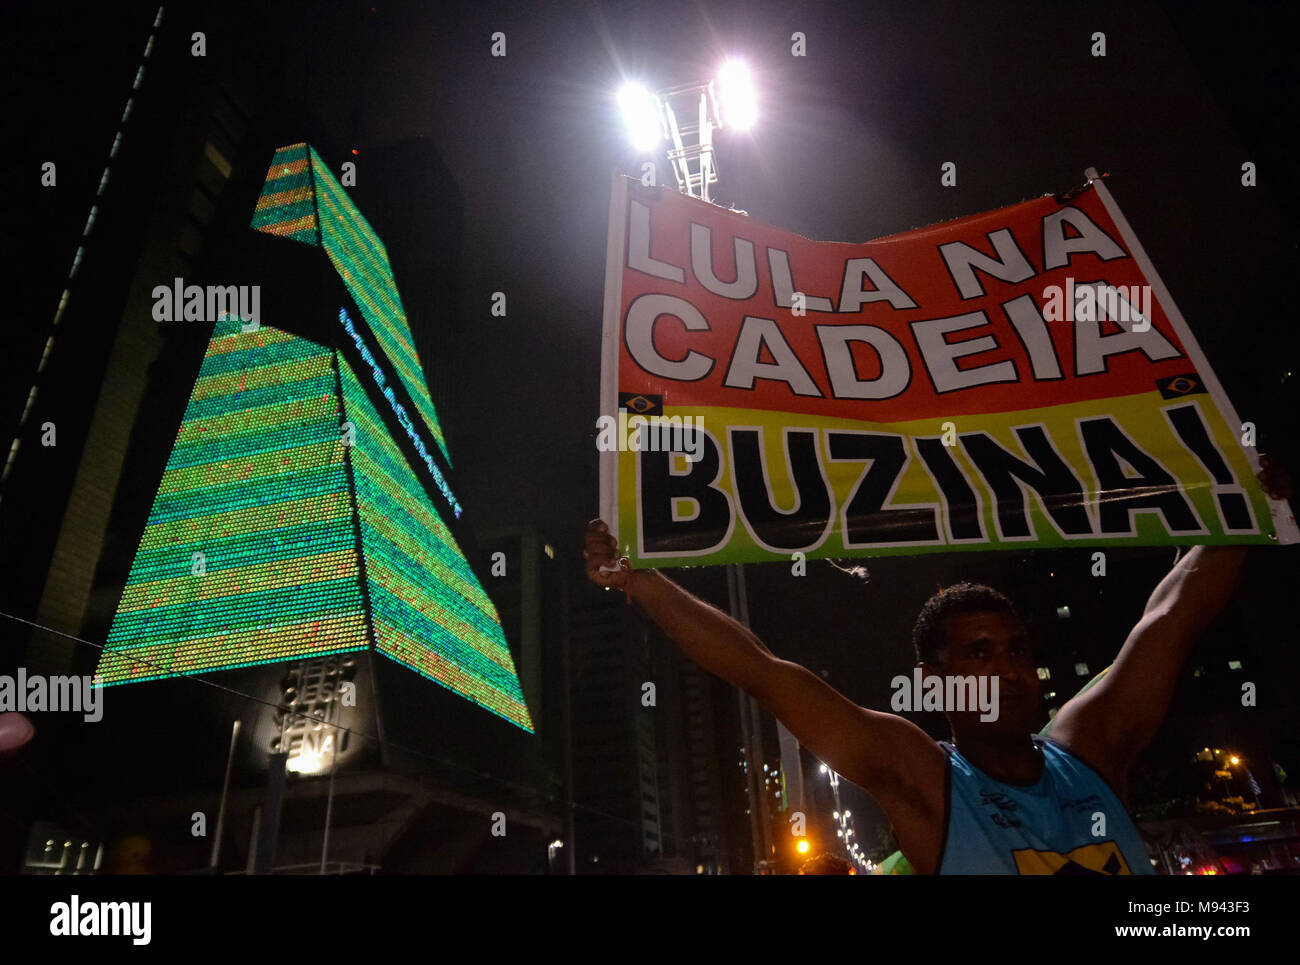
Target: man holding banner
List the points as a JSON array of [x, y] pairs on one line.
[[1000, 801], [1016, 378]]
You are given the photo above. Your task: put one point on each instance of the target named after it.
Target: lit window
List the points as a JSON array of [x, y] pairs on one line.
[[1081, 669], [1234, 664], [1063, 612], [218, 159], [1044, 673]]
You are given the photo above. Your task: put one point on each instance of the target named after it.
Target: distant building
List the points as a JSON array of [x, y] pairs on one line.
[[656, 785], [615, 764], [530, 588]]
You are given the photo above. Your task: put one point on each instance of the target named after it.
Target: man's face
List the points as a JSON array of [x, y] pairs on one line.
[[988, 644]]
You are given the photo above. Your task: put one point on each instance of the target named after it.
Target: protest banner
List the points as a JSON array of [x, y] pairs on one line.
[[1018, 378]]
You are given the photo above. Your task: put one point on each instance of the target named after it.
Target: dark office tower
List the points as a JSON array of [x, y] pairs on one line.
[[146, 160], [529, 585], [615, 757], [694, 829], [657, 781]]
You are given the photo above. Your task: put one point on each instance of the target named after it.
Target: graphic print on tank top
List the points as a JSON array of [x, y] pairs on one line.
[[1069, 822]]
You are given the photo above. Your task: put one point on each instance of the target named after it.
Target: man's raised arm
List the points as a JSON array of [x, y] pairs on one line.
[[1111, 723], [888, 756]]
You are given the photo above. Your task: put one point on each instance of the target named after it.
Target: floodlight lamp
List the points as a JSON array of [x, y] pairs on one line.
[[736, 91], [640, 111]]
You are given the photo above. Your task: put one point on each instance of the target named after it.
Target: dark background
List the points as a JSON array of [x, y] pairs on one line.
[[848, 147]]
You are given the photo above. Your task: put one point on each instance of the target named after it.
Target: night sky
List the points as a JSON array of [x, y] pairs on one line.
[[848, 147]]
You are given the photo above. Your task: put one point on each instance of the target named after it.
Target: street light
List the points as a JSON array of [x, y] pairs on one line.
[[652, 118], [643, 117], [739, 105]]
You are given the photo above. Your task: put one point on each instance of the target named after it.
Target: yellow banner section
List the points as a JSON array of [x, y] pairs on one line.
[[1169, 471]]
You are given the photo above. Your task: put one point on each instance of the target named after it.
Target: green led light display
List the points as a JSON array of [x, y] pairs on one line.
[[302, 200], [249, 554], [429, 610], [287, 206]]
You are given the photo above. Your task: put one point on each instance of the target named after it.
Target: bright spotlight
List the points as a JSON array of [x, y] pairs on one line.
[[736, 91], [641, 115]]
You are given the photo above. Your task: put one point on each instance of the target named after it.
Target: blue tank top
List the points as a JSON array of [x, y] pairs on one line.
[[1068, 822]]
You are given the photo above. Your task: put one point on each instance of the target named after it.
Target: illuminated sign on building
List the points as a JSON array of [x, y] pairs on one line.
[[400, 411], [310, 702]]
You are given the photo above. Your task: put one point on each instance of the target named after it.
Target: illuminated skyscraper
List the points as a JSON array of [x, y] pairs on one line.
[[248, 521], [302, 514]]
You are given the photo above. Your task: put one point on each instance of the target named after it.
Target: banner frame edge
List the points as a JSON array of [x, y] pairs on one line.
[[609, 348], [1284, 523]]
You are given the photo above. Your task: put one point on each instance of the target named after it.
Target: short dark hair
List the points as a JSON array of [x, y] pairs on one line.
[[826, 864], [927, 633]]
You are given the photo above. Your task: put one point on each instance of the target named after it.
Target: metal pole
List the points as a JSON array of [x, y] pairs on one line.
[[764, 808], [571, 847], [254, 835], [750, 713], [225, 789], [738, 604], [269, 828], [755, 833], [706, 155], [329, 800], [741, 604]]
